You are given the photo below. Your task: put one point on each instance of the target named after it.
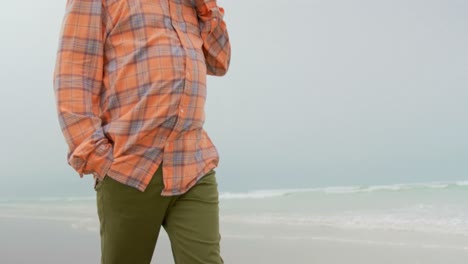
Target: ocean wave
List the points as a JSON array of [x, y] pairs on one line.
[[271, 193], [255, 194]]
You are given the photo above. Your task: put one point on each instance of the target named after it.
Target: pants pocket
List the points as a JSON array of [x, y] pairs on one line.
[[98, 183]]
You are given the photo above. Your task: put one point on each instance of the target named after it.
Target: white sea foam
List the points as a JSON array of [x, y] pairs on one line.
[[68, 199], [338, 189], [418, 218], [263, 193], [462, 183]]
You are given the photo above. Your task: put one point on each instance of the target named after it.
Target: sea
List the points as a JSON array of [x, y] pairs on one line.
[[439, 207], [425, 217]]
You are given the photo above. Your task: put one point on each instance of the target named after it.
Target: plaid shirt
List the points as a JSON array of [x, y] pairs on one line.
[[130, 88]]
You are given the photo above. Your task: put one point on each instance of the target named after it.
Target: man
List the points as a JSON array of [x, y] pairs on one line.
[[130, 88]]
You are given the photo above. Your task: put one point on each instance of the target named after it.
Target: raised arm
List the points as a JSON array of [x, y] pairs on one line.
[[216, 44], [77, 82]]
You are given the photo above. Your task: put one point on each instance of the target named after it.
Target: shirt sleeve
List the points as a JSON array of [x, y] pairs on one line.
[[77, 82], [216, 44]]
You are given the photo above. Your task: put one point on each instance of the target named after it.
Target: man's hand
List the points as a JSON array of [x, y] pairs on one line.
[[203, 7], [213, 31]]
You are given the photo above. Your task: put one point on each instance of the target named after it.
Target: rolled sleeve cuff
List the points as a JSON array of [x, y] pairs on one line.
[[98, 162]]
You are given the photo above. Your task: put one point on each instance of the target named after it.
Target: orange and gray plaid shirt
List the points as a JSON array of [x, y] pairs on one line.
[[130, 88]]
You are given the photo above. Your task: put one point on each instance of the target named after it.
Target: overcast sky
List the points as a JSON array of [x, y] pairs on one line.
[[319, 93]]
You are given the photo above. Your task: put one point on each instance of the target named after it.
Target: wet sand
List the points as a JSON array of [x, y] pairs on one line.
[[45, 241]]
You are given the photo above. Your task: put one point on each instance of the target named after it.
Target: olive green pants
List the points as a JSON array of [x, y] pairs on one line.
[[130, 221]]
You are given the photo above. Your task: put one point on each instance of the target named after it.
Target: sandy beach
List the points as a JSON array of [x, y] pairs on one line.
[[45, 241]]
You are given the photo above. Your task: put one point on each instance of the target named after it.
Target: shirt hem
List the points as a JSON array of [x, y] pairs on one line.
[[189, 186], [116, 175]]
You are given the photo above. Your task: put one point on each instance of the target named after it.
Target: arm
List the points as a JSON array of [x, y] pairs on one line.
[[77, 82], [216, 44]]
